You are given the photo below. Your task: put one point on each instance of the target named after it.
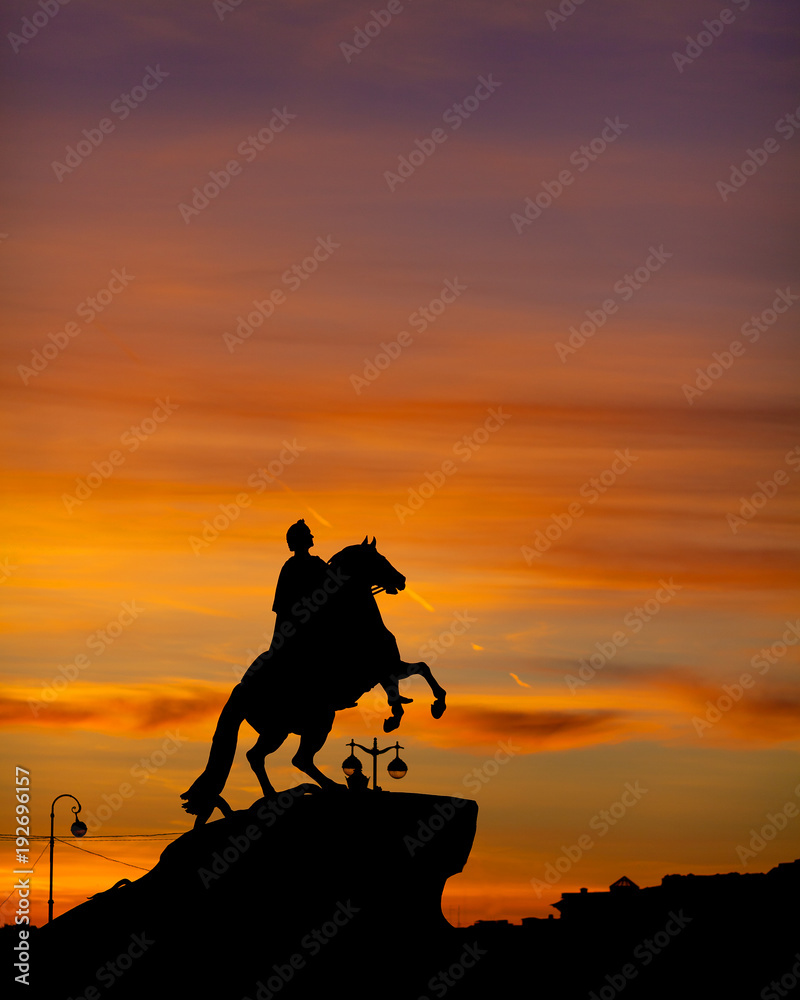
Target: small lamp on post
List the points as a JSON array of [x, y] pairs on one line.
[[397, 768], [351, 765], [78, 829]]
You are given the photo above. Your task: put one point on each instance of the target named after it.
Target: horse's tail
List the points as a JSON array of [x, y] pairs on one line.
[[204, 794]]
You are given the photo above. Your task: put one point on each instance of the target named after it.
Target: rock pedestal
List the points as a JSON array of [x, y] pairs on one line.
[[302, 895]]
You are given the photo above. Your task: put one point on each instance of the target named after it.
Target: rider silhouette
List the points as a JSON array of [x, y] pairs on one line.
[[299, 629], [300, 576]]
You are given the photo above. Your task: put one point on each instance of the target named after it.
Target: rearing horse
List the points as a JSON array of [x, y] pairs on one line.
[[279, 695]]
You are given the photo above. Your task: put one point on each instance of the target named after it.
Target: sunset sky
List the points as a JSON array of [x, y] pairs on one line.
[[480, 182]]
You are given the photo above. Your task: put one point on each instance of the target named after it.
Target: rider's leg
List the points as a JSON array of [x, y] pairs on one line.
[[255, 757]]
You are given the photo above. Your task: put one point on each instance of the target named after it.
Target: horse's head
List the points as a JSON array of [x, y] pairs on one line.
[[365, 563]]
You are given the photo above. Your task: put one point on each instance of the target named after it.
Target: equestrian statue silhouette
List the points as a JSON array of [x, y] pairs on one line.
[[329, 647]]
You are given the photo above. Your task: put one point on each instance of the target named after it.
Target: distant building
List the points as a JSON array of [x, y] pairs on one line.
[[626, 903]]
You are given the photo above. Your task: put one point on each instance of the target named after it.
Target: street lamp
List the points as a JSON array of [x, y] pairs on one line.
[[397, 768], [78, 830]]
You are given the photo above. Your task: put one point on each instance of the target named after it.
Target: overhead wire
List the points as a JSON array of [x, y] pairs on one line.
[[133, 836], [86, 851], [105, 836]]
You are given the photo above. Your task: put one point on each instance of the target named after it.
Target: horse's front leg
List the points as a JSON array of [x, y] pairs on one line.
[[439, 705], [392, 690], [394, 698]]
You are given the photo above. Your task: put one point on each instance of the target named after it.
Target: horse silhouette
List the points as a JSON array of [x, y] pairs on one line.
[[278, 695]]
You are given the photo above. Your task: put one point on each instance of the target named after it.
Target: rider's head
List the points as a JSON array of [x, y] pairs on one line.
[[299, 537]]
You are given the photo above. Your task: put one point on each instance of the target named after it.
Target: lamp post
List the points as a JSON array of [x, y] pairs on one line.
[[78, 830], [397, 768]]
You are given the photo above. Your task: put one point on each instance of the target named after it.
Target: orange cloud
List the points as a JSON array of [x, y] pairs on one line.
[[133, 709], [469, 722], [725, 712]]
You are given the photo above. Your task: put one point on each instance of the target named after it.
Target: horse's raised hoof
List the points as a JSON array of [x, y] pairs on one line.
[[392, 723], [438, 707]]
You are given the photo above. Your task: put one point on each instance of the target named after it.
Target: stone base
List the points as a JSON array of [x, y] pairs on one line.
[[303, 895]]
